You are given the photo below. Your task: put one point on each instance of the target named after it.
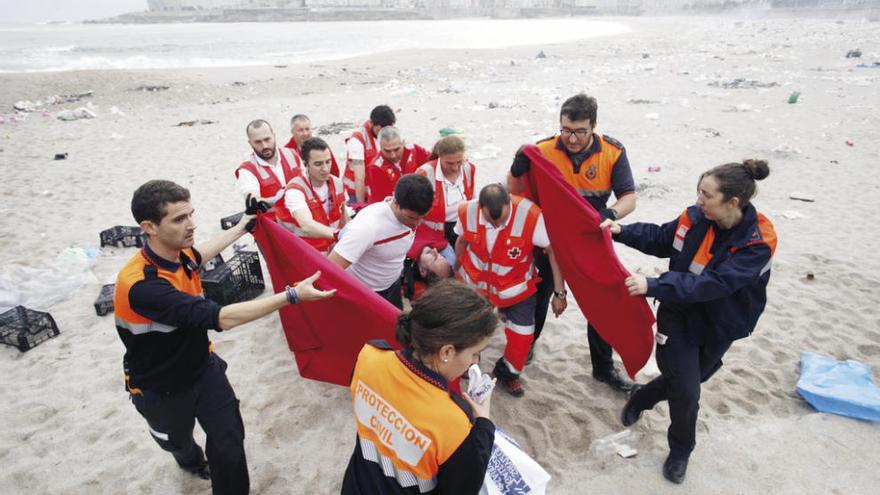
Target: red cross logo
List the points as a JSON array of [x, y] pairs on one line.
[[514, 253]]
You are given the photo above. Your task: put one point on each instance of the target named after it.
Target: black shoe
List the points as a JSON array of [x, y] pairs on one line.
[[614, 379], [202, 471], [674, 469], [631, 412]]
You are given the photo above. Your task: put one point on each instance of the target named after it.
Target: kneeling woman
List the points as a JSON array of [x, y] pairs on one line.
[[413, 436], [713, 294]]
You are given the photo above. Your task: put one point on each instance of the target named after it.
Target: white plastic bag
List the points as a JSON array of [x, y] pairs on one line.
[[511, 471], [42, 287]]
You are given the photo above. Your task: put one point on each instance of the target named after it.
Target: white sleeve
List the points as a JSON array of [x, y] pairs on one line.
[[295, 200], [540, 238], [359, 236], [458, 229], [355, 149], [248, 183]]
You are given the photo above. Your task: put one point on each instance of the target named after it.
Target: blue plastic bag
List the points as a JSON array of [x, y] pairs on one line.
[[839, 387]]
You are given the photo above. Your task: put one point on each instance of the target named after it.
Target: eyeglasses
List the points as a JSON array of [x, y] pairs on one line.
[[581, 133]]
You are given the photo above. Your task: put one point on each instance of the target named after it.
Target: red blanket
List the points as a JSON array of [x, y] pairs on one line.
[[325, 336], [589, 264]]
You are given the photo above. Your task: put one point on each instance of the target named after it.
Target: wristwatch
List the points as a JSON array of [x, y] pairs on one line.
[[561, 294]]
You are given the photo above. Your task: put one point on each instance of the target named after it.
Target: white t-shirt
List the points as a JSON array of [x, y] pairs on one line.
[[539, 237], [375, 244], [453, 194], [355, 149], [248, 182], [294, 199]]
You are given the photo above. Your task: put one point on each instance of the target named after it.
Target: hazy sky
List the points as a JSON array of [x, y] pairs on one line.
[[30, 11]]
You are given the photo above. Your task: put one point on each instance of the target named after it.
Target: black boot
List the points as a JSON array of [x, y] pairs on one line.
[[614, 379], [631, 411], [675, 468]]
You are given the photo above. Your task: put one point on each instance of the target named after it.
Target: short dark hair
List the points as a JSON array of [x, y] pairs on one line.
[[580, 107], [449, 312], [149, 200], [493, 197], [383, 115], [312, 143], [256, 124], [299, 116], [414, 192]]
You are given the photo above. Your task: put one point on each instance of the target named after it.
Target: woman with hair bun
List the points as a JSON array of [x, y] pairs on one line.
[[719, 254], [413, 436]]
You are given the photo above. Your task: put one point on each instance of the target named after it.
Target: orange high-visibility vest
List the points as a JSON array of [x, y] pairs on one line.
[[404, 421], [336, 196], [291, 165], [436, 217], [594, 177], [371, 149], [507, 275]]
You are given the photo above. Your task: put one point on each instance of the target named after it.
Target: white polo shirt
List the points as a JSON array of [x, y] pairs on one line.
[[248, 182], [375, 243], [539, 237]]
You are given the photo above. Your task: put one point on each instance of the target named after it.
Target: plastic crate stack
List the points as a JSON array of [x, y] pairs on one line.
[[122, 236], [239, 279], [25, 328], [227, 223]]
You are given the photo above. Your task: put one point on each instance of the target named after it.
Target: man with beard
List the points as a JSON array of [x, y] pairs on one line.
[[300, 130], [265, 173], [361, 148]]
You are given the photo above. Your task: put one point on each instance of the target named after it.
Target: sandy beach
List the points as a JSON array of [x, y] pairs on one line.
[[682, 94]]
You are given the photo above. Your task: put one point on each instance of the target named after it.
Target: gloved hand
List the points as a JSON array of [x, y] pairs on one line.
[[252, 205], [607, 214], [521, 163], [479, 385]]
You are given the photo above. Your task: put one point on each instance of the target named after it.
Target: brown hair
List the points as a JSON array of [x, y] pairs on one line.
[[449, 312], [449, 145], [737, 180]]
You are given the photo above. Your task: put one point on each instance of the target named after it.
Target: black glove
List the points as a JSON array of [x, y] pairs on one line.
[[250, 226], [521, 163], [607, 214], [252, 205]]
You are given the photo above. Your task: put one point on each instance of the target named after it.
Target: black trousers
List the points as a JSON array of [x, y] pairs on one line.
[[600, 351], [171, 418], [393, 294], [684, 364]]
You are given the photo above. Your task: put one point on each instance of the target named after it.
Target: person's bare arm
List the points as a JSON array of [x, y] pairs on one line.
[[558, 304], [310, 226], [212, 247], [237, 314], [360, 187], [339, 260], [625, 205], [460, 247]]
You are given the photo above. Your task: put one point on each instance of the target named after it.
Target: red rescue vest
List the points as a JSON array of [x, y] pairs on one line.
[[507, 275], [436, 217], [371, 149], [381, 177], [336, 197], [291, 165]]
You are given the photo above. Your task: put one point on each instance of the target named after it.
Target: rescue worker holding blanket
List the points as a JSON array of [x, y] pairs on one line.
[[413, 436], [315, 201], [452, 177], [497, 234], [714, 292]]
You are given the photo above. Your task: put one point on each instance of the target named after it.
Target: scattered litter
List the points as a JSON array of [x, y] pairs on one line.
[[41, 286], [104, 302], [152, 89], [793, 97], [740, 83], [25, 328], [640, 101], [743, 107], [793, 215], [652, 116], [190, 123], [541, 54], [654, 168], [61, 156], [238, 83], [646, 55], [114, 135], [335, 128], [854, 53], [33, 106], [116, 111], [810, 276], [786, 150], [849, 142], [617, 443], [875, 65], [802, 197], [283, 67], [26, 106], [79, 113], [839, 387], [448, 131]]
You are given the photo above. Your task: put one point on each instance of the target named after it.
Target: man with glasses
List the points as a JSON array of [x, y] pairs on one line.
[[595, 165]]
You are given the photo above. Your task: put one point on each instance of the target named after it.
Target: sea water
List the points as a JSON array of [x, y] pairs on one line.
[[63, 47]]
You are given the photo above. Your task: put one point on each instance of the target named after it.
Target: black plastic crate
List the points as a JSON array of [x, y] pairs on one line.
[[210, 265], [25, 328], [122, 236], [239, 279], [227, 223], [104, 302]]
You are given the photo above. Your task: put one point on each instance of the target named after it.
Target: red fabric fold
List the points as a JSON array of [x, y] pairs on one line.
[[325, 336], [589, 264]]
